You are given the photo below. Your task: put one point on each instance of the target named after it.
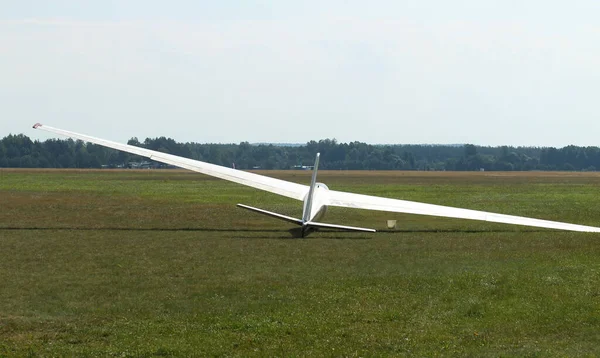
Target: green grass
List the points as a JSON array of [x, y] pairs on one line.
[[161, 263]]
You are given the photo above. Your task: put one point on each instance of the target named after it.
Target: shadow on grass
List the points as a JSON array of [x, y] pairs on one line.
[[290, 233], [310, 237], [200, 229]]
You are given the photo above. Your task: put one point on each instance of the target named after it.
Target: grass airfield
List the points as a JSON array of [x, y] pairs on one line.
[[162, 263]]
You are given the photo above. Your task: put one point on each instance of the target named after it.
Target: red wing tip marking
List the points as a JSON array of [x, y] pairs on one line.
[[35, 126]]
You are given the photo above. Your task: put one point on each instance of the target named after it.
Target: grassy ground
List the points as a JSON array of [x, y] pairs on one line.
[[161, 263]]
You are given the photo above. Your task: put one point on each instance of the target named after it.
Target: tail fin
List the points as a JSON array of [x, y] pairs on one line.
[[311, 191]]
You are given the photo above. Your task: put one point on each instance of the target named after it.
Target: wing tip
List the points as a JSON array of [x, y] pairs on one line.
[[37, 125]]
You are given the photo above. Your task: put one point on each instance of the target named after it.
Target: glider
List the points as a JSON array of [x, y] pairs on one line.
[[317, 197]]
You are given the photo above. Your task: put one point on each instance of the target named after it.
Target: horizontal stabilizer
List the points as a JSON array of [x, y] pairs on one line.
[[272, 214], [337, 227]]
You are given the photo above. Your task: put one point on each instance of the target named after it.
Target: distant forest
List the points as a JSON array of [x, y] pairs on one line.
[[19, 151]]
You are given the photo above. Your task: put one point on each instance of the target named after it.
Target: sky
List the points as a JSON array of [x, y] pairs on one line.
[[382, 72]]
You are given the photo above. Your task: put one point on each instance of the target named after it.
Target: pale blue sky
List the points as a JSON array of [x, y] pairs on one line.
[[483, 72]]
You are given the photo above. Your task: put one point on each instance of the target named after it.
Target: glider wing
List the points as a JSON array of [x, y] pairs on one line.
[[277, 186], [359, 201]]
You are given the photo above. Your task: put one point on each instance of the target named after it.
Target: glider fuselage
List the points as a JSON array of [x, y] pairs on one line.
[[317, 203]]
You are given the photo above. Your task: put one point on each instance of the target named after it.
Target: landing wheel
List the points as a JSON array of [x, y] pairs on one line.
[[307, 230]]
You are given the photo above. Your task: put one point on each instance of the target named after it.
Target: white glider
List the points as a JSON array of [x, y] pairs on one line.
[[317, 197]]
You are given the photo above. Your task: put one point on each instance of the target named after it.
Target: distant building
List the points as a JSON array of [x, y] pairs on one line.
[[302, 167], [144, 165]]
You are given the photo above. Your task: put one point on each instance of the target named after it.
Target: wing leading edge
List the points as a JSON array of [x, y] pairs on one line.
[[359, 201], [277, 186]]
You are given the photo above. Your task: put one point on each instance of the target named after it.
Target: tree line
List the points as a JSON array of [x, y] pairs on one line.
[[19, 151]]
